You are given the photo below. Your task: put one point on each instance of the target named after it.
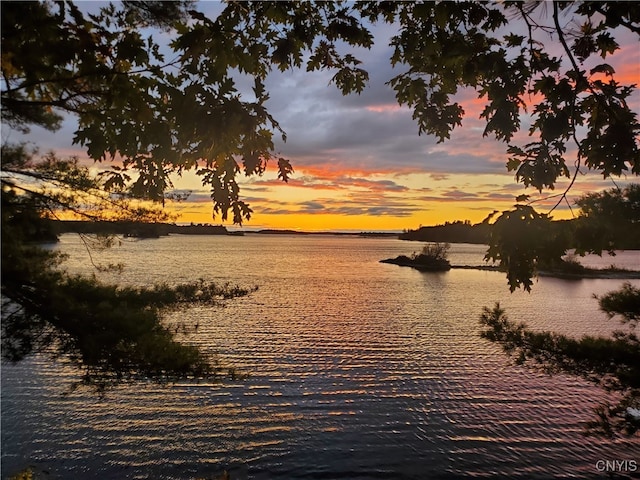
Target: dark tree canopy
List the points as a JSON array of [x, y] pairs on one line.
[[164, 113], [148, 111]]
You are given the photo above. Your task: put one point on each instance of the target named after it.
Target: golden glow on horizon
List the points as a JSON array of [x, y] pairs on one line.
[[328, 198], [423, 200], [201, 213]]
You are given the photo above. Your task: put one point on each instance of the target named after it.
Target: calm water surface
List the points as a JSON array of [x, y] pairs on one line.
[[357, 370]]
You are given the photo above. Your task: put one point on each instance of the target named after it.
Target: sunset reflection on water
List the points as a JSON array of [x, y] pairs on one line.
[[356, 369]]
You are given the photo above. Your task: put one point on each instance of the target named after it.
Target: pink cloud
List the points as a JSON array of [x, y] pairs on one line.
[[385, 108], [336, 181]]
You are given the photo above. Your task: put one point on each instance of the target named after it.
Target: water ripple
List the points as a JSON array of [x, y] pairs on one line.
[[361, 371]]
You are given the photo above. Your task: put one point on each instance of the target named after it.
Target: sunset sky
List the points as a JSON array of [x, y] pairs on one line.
[[360, 163]]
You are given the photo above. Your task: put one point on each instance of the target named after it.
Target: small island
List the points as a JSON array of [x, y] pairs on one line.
[[432, 258]]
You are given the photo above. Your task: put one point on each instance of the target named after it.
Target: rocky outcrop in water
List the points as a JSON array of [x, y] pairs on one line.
[[420, 262]]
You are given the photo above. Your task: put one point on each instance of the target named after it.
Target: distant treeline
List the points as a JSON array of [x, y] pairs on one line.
[[134, 229], [52, 228], [450, 232], [624, 236]]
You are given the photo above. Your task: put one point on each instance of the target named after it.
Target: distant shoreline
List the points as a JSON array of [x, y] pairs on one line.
[[156, 230], [587, 273]]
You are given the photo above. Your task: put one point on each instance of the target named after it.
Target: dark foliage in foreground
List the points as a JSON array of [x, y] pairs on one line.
[[608, 220], [114, 333], [613, 363]]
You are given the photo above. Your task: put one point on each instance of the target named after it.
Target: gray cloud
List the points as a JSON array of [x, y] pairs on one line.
[[370, 131]]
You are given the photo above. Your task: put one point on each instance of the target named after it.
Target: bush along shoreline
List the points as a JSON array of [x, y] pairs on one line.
[[432, 258]]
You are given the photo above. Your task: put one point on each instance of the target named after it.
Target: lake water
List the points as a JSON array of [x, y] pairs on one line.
[[356, 370]]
